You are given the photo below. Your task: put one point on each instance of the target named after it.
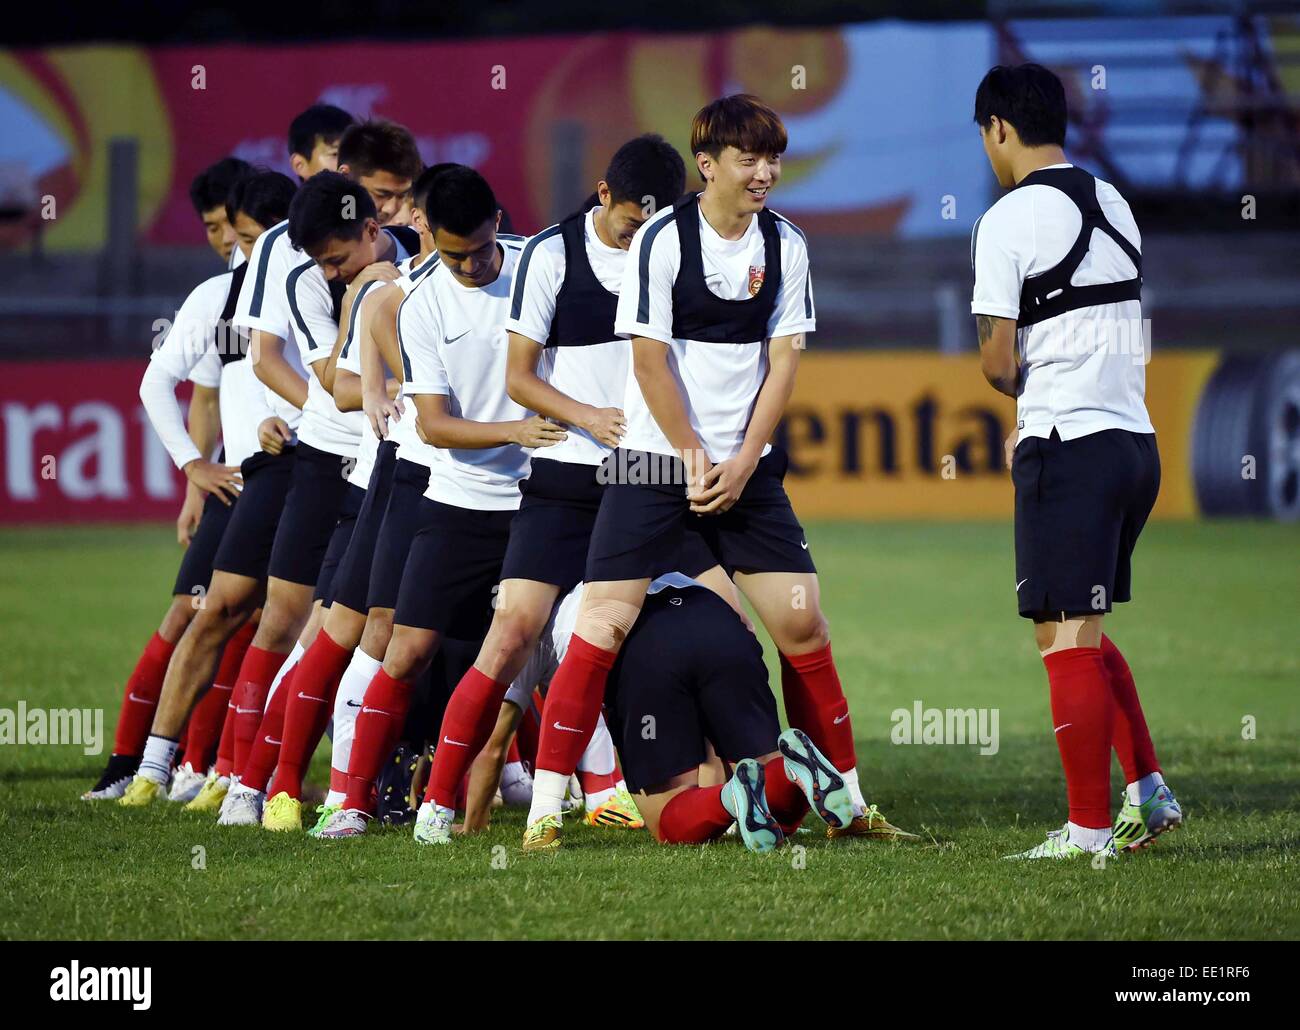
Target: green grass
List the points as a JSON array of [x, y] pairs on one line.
[[917, 611]]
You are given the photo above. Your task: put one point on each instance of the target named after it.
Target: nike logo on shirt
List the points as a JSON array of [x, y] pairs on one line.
[[452, 339]]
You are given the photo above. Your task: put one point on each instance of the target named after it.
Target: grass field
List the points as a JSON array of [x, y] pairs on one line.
[[918, 612]]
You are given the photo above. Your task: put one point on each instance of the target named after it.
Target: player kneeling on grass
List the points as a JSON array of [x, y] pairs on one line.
[[1058, 276]]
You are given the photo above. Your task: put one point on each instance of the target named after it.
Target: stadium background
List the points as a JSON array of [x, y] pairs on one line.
[[1193, 116]]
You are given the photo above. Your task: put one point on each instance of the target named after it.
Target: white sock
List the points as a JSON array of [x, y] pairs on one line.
[[599, 756], [335, 797], [347, 705], [1088, 838], [248, 791], [1140, 790], [591, 801], [549, 789], [855, 791], [297, 652], [156, 765]]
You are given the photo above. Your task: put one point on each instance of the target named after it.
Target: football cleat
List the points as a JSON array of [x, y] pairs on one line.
[[241, 808], [617, 810], [323, 815], [282, 814], [1137, 826], [186, 784], [1058, 845], [393, 787], [343, 822], [433, 824], [820, 781], [115, 778], [544, 834], [210, 796], [873, 825], [141, 792], [744, 798], [576, 799]]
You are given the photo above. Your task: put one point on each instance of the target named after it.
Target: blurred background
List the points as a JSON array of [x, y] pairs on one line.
[[1191, 109]]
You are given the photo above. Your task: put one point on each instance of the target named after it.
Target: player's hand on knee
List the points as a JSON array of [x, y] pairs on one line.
[[273, 434], [213, 478]]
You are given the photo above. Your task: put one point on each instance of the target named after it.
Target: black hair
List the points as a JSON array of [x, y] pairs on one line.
[[460, 200], [1028, 97], [328, 206], [210, 186], [319, 122], [263, 196], [648, 166], [380, 146], [420, 191]]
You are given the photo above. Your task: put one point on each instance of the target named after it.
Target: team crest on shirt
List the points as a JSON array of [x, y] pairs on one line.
[[756, 273]]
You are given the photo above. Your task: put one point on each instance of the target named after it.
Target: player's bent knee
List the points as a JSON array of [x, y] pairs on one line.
[[803, 632], [605, 623]]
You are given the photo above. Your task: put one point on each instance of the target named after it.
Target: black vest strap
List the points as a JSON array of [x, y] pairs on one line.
[[406, 236], [337, 289], [699, 313], [584, 309], [232, 343], [1050, 294]]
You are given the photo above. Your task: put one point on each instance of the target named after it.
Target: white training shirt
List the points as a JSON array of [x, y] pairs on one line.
[[401, 432], [263, 305], [595, 374], [719, 381], [1083, 371], [190, 351], [453, 341]]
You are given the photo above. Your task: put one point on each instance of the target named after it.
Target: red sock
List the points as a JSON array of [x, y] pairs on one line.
[[1083, 715], [812, 692], [266, 747], [466, 726], [573, 702], [1132, 742], [694, 816], [226, 745], [379, 724], [595, 782], [785, 800], [256, 675], [307, 711], [140, 699], [209, 715]]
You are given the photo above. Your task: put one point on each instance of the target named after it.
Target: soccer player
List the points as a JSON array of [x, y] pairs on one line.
[[717, 301], [1058, 278], [199, 524], [451, 331], [566, 363], [349, 620]]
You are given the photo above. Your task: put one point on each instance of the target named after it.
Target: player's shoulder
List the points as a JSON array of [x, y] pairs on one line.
[[549, 242], [793, 239], [658, 237]]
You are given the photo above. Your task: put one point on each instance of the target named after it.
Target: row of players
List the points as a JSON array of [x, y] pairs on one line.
[[398, 499]]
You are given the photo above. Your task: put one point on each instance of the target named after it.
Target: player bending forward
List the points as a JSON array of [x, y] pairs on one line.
[[1058, 279]]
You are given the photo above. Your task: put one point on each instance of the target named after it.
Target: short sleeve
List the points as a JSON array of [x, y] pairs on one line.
[[263, 304], [537, 281], [794, 312], [419, 335], [312, 309], [645, 301], [350, 352], [1001, 253]]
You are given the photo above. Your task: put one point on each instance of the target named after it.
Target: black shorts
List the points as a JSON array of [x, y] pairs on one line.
[[453, 570], [340, 541], [351, 581], [641, 530], [196, 563], [311, 511], [552, 530], [688, 674], [246, 544], [401, 523], [1080, 506]]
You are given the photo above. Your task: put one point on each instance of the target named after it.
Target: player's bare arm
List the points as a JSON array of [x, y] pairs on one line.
[[998, 361], [440, 428], [664, 399], [381, 271], [724, 482], [274, 370], [525, 387], [380, 353]]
